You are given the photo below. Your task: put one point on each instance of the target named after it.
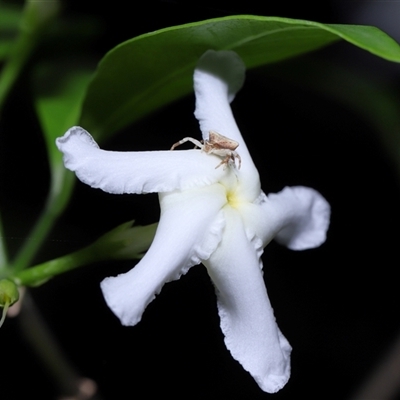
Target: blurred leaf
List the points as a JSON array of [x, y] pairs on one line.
[[10, 18], [59, 89], [144, 73], [35, 19]]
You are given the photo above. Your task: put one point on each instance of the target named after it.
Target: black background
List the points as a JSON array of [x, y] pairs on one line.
[[337, 305]]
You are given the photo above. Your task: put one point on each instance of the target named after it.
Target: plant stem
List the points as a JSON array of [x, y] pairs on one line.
[[42, 272], [35, 18], [3, 250], [58, 197], [46, 347]]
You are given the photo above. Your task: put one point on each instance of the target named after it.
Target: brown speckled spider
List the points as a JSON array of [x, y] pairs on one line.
[[216, 144]]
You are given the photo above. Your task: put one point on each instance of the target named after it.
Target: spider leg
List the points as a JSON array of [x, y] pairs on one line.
[[198, 147], [187, 139], [234, 154], [224, 161]]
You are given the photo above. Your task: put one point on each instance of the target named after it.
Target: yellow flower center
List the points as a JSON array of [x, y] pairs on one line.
[[232, 198]]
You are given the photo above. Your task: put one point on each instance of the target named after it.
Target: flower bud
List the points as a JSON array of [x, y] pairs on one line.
[[8, 292], [8, 296], [125, 241]]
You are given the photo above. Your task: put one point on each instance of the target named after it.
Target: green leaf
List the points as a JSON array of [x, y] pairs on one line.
[[149, 71], [10, 19], [59, 92]]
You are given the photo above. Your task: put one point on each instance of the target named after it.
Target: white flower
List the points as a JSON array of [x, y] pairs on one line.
[[215, 216]]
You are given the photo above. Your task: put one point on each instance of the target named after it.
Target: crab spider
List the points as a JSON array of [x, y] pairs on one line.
[[216, 144]]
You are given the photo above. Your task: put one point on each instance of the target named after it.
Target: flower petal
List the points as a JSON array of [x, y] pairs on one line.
[[305, 217], [136, 172], [187, 233], [217, 78], [247, 319], [297, 217]]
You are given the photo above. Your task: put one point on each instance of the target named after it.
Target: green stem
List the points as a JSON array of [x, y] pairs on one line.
[[35, 18], [4, 313], [121, 243], [59, 195], [9, 74], [42, 272], [3, 250], [50, 353]]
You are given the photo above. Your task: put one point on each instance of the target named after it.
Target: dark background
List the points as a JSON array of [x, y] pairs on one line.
[[337, 305]]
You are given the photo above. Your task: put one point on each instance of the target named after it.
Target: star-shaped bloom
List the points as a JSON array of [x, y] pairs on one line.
[[215, 216]]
